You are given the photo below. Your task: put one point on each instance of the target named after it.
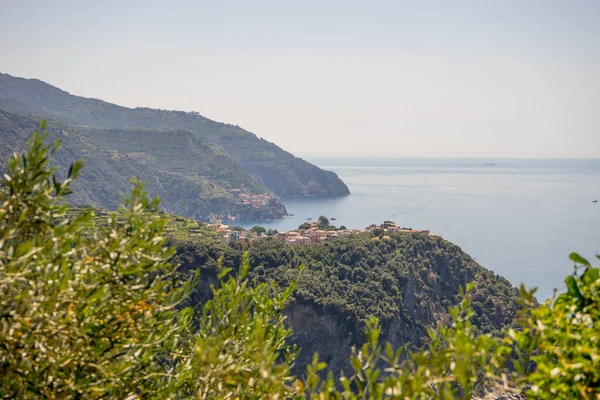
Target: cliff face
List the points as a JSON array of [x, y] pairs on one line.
[[279, 170], [314, 331], [407, 281], [293, 176], [323, 333]]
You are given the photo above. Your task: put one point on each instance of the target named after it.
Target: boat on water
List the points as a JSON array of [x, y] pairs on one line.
[[332, 218], [309, 219], [594, 201]]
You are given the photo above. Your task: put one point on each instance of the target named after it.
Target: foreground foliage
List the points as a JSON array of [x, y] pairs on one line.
[[97, 316], [102, 315], [562, 338]]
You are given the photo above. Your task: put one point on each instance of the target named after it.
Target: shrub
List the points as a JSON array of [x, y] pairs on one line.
[[96, 315], [562, 339]]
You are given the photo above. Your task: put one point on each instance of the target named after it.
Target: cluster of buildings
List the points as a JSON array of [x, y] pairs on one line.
[[228, 234], [314, 234], [254, 200], [392, 227]]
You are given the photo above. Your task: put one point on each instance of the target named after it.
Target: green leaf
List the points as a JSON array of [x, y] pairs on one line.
[[572, 288], [579, 260], [223, 273]]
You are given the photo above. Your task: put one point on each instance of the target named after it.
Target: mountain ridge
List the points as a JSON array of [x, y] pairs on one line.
[[282, 172], [198, 192]]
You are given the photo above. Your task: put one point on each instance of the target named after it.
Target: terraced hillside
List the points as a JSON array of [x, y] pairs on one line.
[[191, 178], [283, 173]]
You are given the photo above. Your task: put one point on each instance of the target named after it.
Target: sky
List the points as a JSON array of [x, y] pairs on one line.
[[343, 78]]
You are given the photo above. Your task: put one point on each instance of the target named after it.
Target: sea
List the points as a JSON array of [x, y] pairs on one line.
[[520, 218]]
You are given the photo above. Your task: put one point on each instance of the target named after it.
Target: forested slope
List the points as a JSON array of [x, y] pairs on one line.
[[190, 177], [407, 280]]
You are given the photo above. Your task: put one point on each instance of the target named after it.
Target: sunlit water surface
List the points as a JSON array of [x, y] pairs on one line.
[[519, 218]]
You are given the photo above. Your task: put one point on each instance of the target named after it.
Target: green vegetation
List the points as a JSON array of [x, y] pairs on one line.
[[561, 338], [176, 228], [355, 277], [97, 316], [90, 311], [407, 281], [323, 222], [259, 229], [190, 177]]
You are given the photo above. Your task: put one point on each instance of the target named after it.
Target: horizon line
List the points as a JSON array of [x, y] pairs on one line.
[[371, 156]]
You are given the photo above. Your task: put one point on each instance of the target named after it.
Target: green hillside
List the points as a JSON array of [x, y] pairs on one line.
[[280, 171], [407, 281], [190, 177]]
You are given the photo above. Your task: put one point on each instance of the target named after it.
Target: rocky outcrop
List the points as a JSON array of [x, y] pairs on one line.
[[323, 333], [330, 337]]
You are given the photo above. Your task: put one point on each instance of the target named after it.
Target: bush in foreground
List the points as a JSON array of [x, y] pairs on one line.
[[97, 315]]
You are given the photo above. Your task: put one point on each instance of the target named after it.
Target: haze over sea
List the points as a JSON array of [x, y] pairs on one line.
[[518, 217]]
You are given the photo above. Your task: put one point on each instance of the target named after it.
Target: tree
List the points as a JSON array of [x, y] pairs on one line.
[[343, 227], [557, 347], [83, 312], [323, 222], [272, 232], [259, 229], [305, 225], [561, 338], [377, 231]]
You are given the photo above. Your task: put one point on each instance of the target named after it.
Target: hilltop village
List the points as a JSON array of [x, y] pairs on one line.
[[254, 200], [309, 232]]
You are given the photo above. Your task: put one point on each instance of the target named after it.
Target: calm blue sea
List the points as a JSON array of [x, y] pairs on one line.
[[520, 218]]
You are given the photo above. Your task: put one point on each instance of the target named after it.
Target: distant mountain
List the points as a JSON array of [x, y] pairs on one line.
[[192, 178], [281, 172]]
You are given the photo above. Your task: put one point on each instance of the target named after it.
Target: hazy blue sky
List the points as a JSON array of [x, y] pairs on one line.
[[422, 78]]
